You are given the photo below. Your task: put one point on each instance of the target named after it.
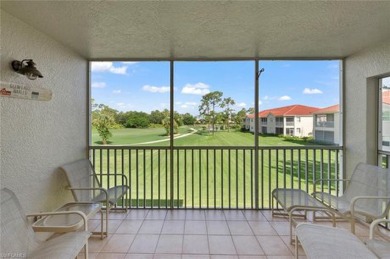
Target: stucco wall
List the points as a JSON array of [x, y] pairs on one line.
[[305, 124], [37, 137], [361, 73]]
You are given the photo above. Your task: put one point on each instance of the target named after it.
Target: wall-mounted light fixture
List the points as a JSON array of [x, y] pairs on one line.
[[26, 67]]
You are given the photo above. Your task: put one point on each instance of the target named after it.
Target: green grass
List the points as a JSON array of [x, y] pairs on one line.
[[211, 178], [219, 138], [136, 136]]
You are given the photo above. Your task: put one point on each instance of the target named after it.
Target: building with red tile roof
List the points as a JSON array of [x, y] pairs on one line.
[[330, 109], [327, 124], [296, 120]]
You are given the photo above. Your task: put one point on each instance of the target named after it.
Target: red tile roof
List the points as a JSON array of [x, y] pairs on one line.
[[386, 96], [330, 109], [291, 110]]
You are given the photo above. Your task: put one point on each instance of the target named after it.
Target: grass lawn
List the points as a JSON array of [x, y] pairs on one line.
[[204, 177], [219, 138], [135, 136]]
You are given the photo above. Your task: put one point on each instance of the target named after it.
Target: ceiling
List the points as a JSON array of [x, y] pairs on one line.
[[209, 30]]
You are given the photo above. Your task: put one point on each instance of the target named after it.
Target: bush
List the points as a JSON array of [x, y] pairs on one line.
[[154, 125]]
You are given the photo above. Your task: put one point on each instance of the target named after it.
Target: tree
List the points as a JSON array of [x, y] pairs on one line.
[[240, 117], [207, 107], [103, 118], [251, 110], [121, 118], [156, 117], [227, 103], [137, 120], [188, 119], [178, 118], [166, 122]]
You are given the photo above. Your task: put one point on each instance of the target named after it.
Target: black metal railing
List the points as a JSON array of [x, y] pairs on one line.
[[216, 177]]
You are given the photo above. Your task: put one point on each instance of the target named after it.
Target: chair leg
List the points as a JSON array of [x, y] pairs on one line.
[[107, 209], [86, 250], [291, 227], [352, 225], [296, 247], [101, 225]]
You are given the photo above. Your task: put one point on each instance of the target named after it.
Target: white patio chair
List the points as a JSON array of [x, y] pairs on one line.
[[379, 246], [329, 242], [367, 195], [86, 187], [18, 239]]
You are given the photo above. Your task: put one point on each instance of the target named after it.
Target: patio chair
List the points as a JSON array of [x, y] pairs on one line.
[[329, 242], [86, 187], [18, 239], [320, 241], [380, 247], [367, 195]]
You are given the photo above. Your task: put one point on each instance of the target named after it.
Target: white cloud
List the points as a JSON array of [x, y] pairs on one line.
[[156, 89], [284, 98], [118, 70], [191, 103], [129, 62], [266, 97], [198, 89], [124, 106], [103, 66], [186, 105], [116, 91], [312, 91], [260, 102], [241, 104], [98, 84], [386, 82]]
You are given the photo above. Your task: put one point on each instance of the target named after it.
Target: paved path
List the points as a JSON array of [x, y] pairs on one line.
[[162, 140]]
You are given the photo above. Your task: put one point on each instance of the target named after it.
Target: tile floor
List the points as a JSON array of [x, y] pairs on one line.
[[144, 233]]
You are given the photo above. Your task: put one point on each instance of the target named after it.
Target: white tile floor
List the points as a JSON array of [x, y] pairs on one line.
[[143, 233]]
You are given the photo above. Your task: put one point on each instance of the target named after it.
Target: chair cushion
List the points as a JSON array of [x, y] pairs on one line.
[[330, 242], [64, 246], [379, 247]]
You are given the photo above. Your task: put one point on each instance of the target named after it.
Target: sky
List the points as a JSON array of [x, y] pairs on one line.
[[144, 86]]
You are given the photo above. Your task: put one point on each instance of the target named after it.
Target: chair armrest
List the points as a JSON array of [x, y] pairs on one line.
[[357, 198], [311, 208], [116, 175], [328, 180], [91, 189], [374, 224], [80, 213]]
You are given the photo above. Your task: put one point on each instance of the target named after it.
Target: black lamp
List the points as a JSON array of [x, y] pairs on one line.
[[26, 67]]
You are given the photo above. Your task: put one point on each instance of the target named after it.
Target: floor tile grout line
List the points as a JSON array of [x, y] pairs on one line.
[[245, 219]]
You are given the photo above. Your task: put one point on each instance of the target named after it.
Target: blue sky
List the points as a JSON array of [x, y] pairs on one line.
[[144, 86]]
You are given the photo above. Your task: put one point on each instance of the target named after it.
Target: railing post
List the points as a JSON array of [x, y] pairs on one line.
[[171, 119], [256, 134]]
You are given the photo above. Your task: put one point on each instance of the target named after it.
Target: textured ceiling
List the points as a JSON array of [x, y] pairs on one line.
[[209, 30]]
